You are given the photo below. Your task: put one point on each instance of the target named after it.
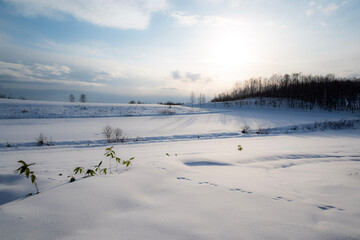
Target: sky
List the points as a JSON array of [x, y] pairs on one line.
[[160, 50]]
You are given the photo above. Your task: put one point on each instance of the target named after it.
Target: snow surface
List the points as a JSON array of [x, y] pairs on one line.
[[284, 185], [15, 109]]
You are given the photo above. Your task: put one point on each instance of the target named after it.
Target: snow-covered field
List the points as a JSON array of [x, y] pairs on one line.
[[188, 179]]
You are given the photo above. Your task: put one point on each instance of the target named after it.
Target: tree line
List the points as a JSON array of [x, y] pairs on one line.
[[82, 98], [328, 92]]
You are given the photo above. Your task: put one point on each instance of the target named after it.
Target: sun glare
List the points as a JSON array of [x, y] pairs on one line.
[[229, 50]]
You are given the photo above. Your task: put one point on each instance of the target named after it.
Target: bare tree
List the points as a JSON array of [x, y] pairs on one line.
[[201, 99], [192, 98], [117, 134], [107, 131], [83, 98], [71, 98]]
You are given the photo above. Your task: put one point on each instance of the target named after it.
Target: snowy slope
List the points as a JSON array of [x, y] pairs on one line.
[[295, 185], [19, 109], [213, 123]]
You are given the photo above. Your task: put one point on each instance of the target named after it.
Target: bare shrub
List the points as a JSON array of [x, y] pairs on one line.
[[261, 130], [41, 139], [50, 142], [107, 131], [167, 111], [245, 129], [310, 128], [117, 134]]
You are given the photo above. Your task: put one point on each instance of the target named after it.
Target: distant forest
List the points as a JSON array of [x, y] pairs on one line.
[[304, 91]]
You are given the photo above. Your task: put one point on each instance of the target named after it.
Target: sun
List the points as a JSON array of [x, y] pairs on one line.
[[229, 50]]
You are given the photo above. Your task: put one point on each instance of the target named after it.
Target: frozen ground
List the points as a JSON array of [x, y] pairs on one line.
[[285, 185]]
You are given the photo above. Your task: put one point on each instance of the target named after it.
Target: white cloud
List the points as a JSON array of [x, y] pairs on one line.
[[327, 9], [230, 3], [123, 14], [309, 12], [330, 8], [75, 67], [190, 77], [14, 69], [176, 75], [189, 20], [193, 76], [182, 19], [54, 70], [235, 3], [18, 72]]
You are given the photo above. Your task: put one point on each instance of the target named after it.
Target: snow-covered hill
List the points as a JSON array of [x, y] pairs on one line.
[[25, 109], [188, 179]]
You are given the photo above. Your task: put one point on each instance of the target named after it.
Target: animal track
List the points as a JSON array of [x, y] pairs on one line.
[[282, 198], [240, 190], [209, 183], [353, 174], [322, 207], [216, 185], [183, 178], [327, 207]]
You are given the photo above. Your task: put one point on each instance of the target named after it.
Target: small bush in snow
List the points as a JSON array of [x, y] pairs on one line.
[[24, 169], [42, 140], [89, 172], [113, 135], [245, 129], [117, 134], [110, 153], [107, 131], [240, 148], [167, 111], [295, 128], [263, 130]]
